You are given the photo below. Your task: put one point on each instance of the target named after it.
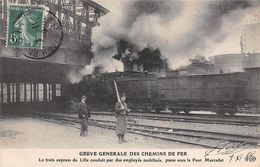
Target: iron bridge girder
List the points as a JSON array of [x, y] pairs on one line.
[[78, 17]]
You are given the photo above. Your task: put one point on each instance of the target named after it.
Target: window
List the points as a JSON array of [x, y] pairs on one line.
[[36, 92], [49, 92], [33, 94], [58, 89], [40, 91], [11, 92], [4, 93], [12, 87], [22, 92], [14, 95], [28, 92]]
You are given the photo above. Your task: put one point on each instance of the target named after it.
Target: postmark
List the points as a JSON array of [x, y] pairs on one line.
[[52, 39], [25, 26]]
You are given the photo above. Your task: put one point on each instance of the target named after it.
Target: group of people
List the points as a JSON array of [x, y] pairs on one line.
[[121, 111]]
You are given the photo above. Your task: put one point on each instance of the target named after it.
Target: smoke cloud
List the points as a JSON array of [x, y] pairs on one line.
[[180, 29], [104, 65], [76, 76]]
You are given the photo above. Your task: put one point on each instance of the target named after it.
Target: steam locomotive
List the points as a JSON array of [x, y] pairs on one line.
[[223, 93]]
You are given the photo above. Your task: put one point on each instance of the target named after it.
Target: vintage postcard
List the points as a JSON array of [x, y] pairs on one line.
[[129, 83]]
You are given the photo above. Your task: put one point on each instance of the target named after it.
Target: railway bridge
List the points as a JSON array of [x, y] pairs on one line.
[[25, 81], [78, 18]]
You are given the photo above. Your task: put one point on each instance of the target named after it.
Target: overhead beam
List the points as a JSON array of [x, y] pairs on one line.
[[74, 15], [59, 9], [96, 5]]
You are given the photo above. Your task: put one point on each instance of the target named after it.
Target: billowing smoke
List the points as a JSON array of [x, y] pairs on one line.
[[76, 76], [180, 29]]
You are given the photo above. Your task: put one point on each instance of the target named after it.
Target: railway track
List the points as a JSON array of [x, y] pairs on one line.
[[195, 118], [194, 137]]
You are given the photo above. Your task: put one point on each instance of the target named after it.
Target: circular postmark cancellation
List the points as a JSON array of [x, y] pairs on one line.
[[35, 33], [52, 39]]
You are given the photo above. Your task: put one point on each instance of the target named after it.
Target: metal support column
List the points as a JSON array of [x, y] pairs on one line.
[[74, 16], [59, 9]]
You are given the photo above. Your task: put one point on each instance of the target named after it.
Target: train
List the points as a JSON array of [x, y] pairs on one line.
[[222, 93], [48, 88]]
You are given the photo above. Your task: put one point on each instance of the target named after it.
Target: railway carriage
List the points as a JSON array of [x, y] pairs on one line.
[[142, 94], [217, 92], [252, 88]]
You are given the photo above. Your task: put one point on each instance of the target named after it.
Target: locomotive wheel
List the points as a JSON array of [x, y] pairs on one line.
[[186, 111], [174, 111], [158, 110], [220, 113], [232, 112]]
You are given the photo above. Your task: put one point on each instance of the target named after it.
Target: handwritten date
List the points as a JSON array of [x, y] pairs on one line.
[[249, 157]]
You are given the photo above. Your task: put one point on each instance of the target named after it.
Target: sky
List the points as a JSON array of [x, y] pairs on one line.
[[180, 29]]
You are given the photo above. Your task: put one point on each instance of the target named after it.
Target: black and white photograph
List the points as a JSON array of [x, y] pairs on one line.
[[130, 82]]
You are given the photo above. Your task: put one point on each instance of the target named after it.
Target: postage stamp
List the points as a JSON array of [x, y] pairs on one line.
[[52, 39], [25, 26]]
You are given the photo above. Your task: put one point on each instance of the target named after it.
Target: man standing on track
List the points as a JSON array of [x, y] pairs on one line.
[[83, 115], [121, 111]]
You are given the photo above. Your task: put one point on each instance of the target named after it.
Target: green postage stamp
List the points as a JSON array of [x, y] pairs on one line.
[[25, 26]]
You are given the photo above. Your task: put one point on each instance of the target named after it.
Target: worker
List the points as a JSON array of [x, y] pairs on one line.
[[83, 115], [121, 125]]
